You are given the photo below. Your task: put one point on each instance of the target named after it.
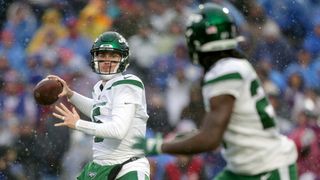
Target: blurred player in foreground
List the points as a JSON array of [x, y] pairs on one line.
[[117, 113], [239, 115]]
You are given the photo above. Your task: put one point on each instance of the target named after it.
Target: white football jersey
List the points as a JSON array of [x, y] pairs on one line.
[[252, 144], [117, 92]]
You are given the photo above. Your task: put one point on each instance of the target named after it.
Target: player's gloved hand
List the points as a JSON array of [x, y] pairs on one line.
[[150, 146]]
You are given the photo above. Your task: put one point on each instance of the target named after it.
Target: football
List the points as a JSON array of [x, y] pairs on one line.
[[46, 91]]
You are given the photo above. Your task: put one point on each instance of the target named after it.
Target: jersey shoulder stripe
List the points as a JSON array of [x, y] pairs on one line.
[[225, 77], [127, 81]]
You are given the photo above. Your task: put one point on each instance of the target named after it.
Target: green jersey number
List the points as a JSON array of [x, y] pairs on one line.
[[96, 112], [261, 105]]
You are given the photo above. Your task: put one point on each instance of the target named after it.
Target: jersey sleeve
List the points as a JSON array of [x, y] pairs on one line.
[[228, 83], [128, 91], [117, 128], [227, 77]]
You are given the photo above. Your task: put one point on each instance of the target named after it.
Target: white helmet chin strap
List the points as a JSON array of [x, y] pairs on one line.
[[107, 77]]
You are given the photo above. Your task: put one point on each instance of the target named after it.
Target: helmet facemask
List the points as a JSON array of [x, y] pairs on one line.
[[112, 67]]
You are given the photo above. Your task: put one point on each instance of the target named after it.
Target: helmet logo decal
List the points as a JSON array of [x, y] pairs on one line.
[[212, 30], [122, 40]]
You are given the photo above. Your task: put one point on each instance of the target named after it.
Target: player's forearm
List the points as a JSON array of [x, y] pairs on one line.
[[116, 128], [197, 143], [208, 138], [84, 104]]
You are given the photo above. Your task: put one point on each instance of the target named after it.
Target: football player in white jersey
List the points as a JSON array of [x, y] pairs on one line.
[[238, 113], [117, 113]]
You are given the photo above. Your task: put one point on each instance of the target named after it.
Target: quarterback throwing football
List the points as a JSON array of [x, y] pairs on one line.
[[117, 112]]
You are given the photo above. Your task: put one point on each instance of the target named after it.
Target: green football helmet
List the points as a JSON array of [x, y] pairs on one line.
[[211, 29], [110, 41]]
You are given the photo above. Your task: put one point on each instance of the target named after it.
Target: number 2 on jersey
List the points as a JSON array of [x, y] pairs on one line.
[[262, 105]]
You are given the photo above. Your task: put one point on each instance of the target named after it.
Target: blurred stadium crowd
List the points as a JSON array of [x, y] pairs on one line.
[[41, 37]]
